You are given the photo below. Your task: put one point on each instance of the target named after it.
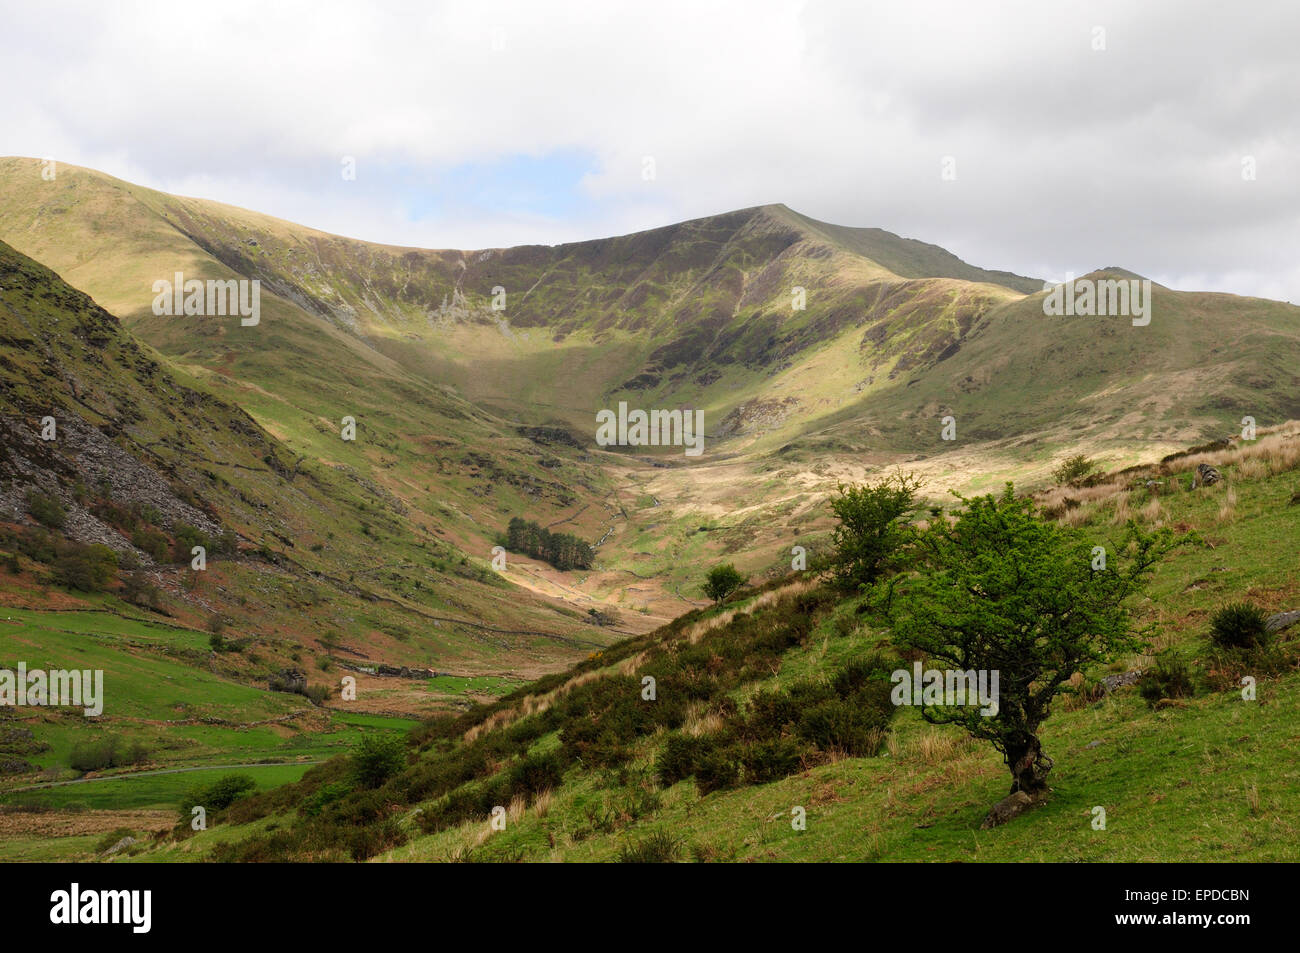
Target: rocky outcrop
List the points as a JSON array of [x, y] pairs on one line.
[[1206, 475]]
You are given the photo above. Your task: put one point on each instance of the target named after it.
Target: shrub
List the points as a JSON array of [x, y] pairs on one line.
[[87, 568], [1239, 625], [187, 537], [46, 510], [844, 725], [717, 770], [771, 760], [659, 847], [152, 542], [218, 795], [377, 759], [536, 773], [107, 752], [324, 796], [1073, 470], [1170, 678], [138, 590], [678, 758]]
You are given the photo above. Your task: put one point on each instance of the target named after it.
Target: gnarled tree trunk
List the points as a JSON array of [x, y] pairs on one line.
[[1029, 769]]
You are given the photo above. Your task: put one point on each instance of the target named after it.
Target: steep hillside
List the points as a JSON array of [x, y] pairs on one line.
[[776, 710], [306, 559], [817, 353]]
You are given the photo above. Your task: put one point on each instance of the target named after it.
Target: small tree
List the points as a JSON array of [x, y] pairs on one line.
[[873, 530], [1003, 590], [722, 581], [377, 759], [1073, 470]]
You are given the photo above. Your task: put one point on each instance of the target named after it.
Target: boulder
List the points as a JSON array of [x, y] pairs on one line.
[[1282, 620], [1112, 682], [123, 844], [1206, 475], [1011, 806]]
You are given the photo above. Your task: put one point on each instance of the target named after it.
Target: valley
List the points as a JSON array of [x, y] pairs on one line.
[[350, 464]]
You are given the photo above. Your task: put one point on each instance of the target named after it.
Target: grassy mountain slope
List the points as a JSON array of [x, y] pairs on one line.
[[471, 415], [586, 769], [309, 566]]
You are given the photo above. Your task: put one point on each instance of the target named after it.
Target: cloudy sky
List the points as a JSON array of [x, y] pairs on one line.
[[1078, 135]]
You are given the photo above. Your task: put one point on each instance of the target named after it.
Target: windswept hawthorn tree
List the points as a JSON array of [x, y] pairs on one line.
[[999, 588], [873, 532]]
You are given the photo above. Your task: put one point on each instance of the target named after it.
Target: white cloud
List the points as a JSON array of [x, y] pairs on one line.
[[1068, 157]]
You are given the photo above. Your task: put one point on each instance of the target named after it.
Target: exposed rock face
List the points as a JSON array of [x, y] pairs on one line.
[[83, 453], [1206, 475]]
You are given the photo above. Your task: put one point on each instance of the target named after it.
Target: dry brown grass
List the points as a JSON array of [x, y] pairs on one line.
[[1152, 512], [1228, 507], [931, 746], [518, 806], [701, 721], [1122, 512], [1276, 451]]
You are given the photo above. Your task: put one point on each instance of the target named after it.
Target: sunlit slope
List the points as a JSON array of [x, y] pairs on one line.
[[461, 472], [327, 557], [708, 311], [1031, 381]]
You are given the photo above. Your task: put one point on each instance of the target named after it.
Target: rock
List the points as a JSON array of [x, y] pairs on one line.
[[1011, 806], [288, 680], [1093, 744], [1206, 475], [1123, 679], [1283, 620], [123, 844]]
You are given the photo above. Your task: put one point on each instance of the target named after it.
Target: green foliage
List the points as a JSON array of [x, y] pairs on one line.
[[564, 551], [111, 751], [218, 795], [377, 759], [722, 581], [1170, 678], [1239, 625], [87, 568], [153, 542], [1004, 590], [46, 510], [1073, 470], [872, 532], [138, 590]]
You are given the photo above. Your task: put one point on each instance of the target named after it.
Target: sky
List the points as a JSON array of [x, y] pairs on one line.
[[1041, 138]]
